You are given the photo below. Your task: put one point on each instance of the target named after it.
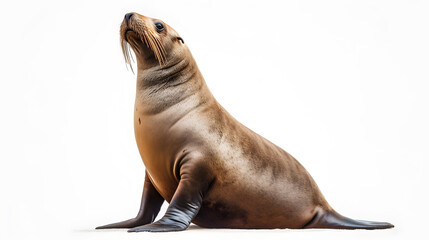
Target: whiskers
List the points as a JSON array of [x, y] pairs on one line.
[[127, 53], [148, 36], [153, 42]]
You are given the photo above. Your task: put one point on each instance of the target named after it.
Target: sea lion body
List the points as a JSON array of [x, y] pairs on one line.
[[256, 184], [212, 170]]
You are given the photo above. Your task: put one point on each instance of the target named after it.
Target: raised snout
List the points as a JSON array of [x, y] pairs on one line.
[[127, 17]]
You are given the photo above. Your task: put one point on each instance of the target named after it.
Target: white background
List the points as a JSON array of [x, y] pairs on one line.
[[341, 85]]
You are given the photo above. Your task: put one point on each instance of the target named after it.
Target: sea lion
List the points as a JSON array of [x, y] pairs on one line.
[[214, 171]]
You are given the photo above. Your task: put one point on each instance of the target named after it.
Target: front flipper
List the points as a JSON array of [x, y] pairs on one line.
[[149, 208], [186, 202]]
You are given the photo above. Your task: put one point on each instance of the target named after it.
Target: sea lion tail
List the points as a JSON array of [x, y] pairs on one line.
[[331, 219]]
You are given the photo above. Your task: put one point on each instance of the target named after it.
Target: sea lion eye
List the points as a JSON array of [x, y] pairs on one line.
[[159, 26]]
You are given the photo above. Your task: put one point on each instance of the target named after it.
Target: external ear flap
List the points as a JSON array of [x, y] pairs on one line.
[[180, 39]]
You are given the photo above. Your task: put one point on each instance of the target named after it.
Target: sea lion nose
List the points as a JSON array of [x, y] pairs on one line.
[[127, 17]]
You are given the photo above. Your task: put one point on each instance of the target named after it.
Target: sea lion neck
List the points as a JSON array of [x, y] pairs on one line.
[[163, 86], [172, 72]]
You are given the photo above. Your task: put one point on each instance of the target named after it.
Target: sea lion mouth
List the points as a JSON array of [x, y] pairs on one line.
[[127, 31]]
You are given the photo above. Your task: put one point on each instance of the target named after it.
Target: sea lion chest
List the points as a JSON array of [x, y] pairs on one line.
[[159, 148], [164, 133]]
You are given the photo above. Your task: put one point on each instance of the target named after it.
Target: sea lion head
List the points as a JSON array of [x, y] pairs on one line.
[[153, 41]]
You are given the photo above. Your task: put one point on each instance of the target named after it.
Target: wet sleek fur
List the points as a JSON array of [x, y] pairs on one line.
[[214, 171]]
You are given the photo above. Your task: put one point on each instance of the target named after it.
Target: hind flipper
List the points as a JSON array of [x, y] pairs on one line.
[[331, 219]]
